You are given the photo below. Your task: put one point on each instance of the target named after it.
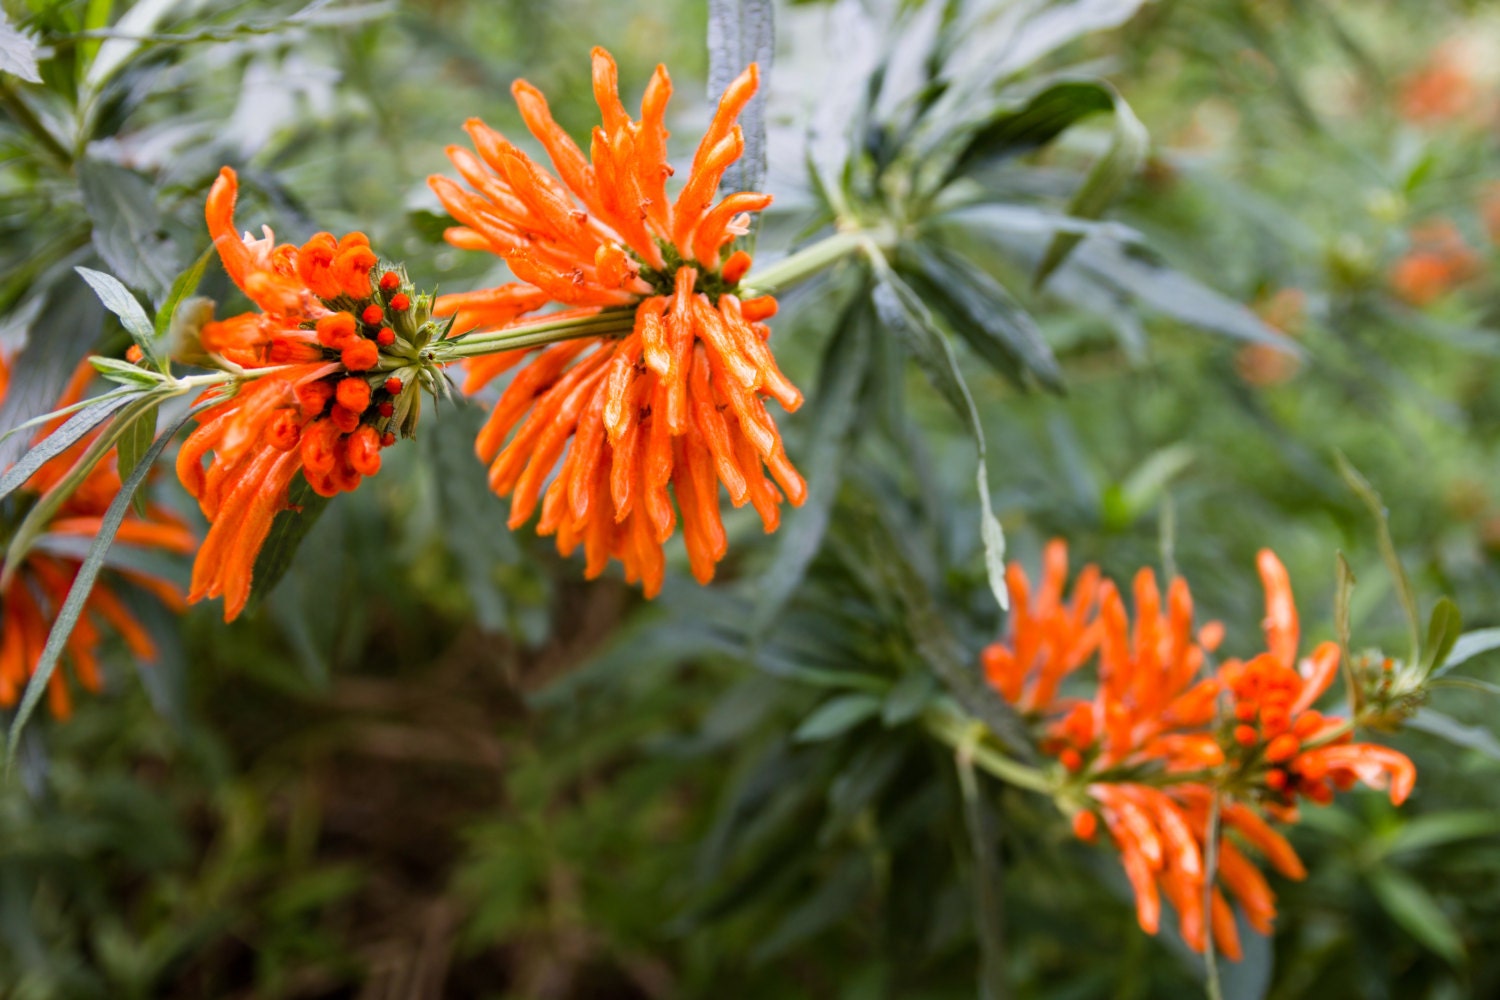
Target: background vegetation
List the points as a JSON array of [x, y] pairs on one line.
[[437, 763]]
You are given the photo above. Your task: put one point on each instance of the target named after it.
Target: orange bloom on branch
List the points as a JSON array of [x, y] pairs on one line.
[[326, 406], [1147, 748], [37, 588], [675, 407]]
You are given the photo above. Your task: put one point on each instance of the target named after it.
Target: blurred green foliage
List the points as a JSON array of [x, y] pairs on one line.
[[435, 763]]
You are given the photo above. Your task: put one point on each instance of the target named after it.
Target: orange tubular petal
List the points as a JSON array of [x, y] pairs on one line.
[[651, 161], [1249, 887], [103, 600], [1372, 764], [1320, 670], [1264, 839], [1143, 884], [731, 104], [567, 159], [768, 374], [607, 91], [1281, 627], [713, 233], [695, 196], [1226, 934], [523, 392], [763, 495], [710, 423], [656, 467]]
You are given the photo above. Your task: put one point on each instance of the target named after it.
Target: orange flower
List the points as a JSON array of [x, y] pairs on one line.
[[1149, 700], [1438, 262], [339, 333], [1302, 752], [678, 402], [1263, 364], [1442, 90], [1153, 721], [38, 587]]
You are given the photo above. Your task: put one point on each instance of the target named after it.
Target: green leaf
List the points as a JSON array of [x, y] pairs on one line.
[[62, 439], [123, 372], [908, 698], [1343, 593], [837, 716], [741, 32], [185, 285], [134, 444], [1441, 829], [1103, 184], [1468, 684], [1140, 490], [18, 52], [41, 513], [988, 882], [982, 312], [118, 300], [83, 586], [1376, 506], [128, 227], [833, 903], [904, 314], [1468, 646], [1460, 734], [834, 407], [287, 532], [1413, 907], [1014, 129], [1443, 629], [95, 17]]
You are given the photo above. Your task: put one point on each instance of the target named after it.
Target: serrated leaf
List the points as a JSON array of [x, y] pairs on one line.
[[1460, 734], [133, 446], [905, 315], [118, 300], [18, 52], [287, 532], [82, 587], [1376, 507], [1102, 185], [1443, 629], [1413, 907], [982, 312], [837, 716], [741, 32], [128, 226], [1468, 646]]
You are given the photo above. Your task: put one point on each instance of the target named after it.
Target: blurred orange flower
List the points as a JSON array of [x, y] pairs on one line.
[[38, 587], [324, 408], [1444, 89], [1438, 262], [676, 403], [1262, 364]]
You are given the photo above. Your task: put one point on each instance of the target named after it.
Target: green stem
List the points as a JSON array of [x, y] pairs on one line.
[[808, 261], [1214, 988], [966, 734], [610, 322]]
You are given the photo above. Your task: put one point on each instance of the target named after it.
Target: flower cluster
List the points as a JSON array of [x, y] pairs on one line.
[[32, 591], [675, 407], [337, 345], [1161, 737], [1439, 261]]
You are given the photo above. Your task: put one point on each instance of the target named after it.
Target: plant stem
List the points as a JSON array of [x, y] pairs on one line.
[[806, 262], [1210, 876], [969, 735]]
